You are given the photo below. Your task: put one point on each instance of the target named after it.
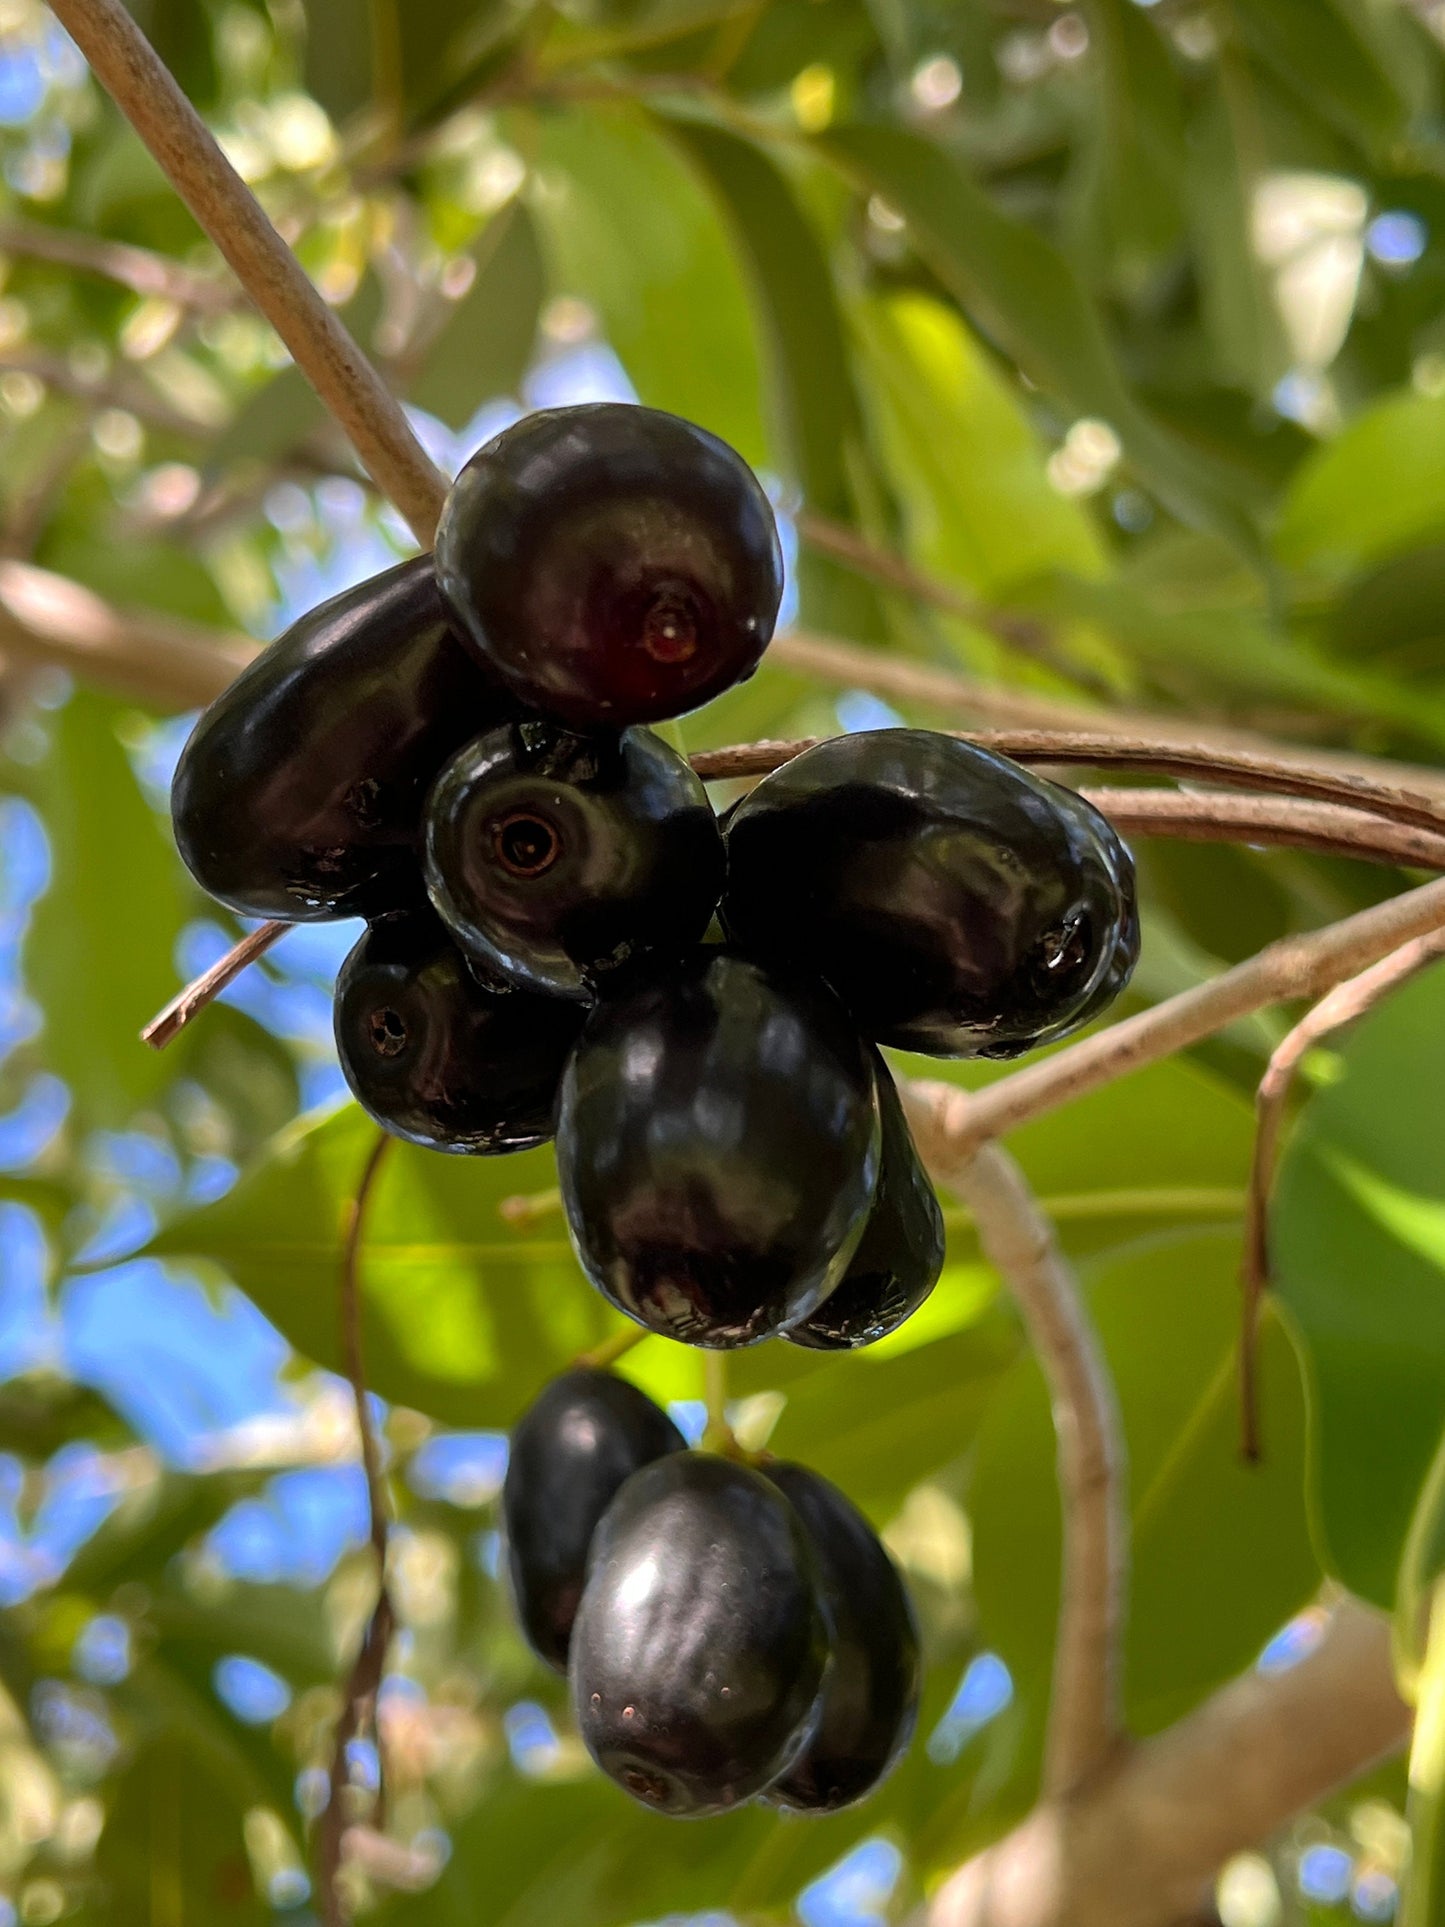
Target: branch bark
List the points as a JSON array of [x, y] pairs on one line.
[[1139, 1845], [138, 269], [1085, 1720], [950, 1123], [1277, 771], [900, 679], [48, 619], [126, 64], [1345, 1004]]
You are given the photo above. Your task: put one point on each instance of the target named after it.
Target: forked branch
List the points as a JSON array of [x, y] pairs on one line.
[[1085, 1722], [1343, 1005]]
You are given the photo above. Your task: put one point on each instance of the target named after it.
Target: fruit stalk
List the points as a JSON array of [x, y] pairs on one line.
[[128, 67], [1085, 1716], [364, 1680]]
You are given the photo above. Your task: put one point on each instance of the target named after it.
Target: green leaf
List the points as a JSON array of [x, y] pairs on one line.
[[627, 226], [815, 406], [1137, 161], [1020, 292], [1323, 49], [464, 1318], [1374, 491], [340, 40], [1221, 1552], [485, 346], [99, 954], [1358, 1230], [992, 521], [1187, 650], [278, 416]]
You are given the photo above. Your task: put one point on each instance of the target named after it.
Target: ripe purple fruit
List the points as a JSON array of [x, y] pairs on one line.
[[436, 1057], [699, 1646], [570, 1453], [957, 903], [557, 860], [869, 1699], [718, 1150], [300, 792], [611, 564]]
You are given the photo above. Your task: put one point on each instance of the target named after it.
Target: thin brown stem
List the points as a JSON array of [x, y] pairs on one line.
[[1326, 829], [900, 679], [1343, 1005], [350, 1309], [1085, 1717], [169, 1023], [158, 660], [364, 1680], [127, 66], [1283, 774], [949, 1123], [138, 269], [856, 552]]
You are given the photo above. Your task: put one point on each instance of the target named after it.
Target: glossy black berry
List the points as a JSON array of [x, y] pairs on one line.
[[957, 903], [437, 1058], [717, 1145], [556, 860], [612, 564], [300, 792], [900, 1253], [570, 1453], [869, 1700], [699, 1645]]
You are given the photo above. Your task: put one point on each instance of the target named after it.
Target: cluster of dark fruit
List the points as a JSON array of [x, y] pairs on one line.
[[455, 752], [728, 1632]]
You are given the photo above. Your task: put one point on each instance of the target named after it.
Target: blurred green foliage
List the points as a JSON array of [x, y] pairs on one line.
[[1126, 321]]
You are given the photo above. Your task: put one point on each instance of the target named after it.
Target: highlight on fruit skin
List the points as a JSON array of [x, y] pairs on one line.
[[699, 1646], [959, 904], [300, 793], [436, 1057], [717, 1148], [558, 861], [571, 1452], [611, 564]]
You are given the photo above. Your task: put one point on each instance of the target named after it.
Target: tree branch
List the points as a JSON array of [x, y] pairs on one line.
[[1279, 771], [357, 398], [138, 269], [1085, 1721], [950, 1123], [845, 545], [1327, 829], [46, 618], [885, 673], [1139, 1845], [364, 1680], [168, 1024], [1343, 1005]]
